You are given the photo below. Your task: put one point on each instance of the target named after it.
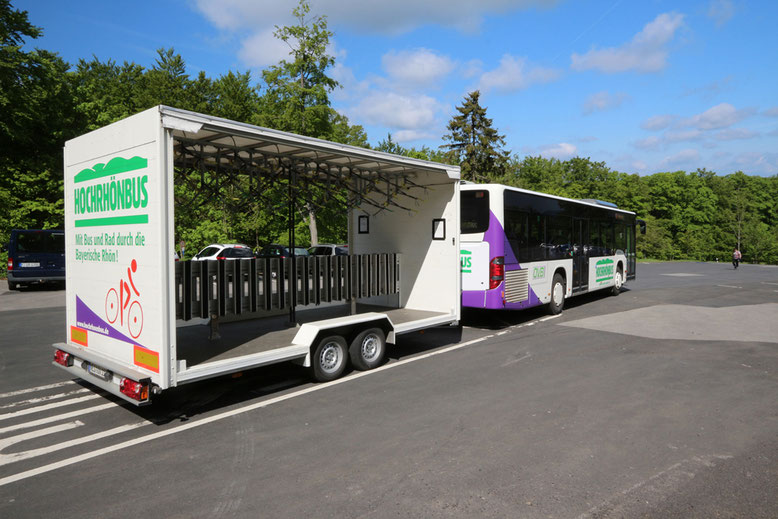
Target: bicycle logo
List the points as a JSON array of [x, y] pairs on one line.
[[118, 305]]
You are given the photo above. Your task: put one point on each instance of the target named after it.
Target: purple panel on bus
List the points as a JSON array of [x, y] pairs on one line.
[[494, 299]]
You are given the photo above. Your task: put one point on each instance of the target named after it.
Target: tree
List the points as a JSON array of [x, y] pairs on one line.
[[36, 117], [297, 96], [474, 144]]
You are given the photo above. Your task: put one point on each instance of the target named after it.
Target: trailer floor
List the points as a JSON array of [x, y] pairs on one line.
[[243, 338]]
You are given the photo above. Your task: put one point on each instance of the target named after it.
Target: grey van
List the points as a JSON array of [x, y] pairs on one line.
[[36, 256]]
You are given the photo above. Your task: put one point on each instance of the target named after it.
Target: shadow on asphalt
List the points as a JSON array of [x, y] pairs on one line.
[[188, 401]]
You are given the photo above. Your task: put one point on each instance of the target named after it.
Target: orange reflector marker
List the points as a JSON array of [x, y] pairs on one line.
[[146, 359], [78, 335]]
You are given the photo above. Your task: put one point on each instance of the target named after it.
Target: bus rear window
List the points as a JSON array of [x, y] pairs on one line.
[[475, 211]]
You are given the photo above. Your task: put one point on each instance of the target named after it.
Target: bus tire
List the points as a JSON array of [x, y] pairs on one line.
[[558, 290], [618, 280], [329, 358], [367, 349], [13, 286]]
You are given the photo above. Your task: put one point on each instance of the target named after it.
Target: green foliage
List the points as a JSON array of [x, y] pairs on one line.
[[43, 102], [474, 144]]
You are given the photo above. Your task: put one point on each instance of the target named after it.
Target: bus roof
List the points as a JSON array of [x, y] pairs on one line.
[[469, 186]]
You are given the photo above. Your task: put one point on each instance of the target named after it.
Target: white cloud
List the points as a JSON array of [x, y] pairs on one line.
[[683, 157], [683, 135], [393, 110], [417, 68], [646, 52], [393, 17], [719, 116], [721, 11], [602, 101], [771, 112], [649, 143], [756, 163], [514, 73], [657, 122], [731, 134], [561, 151], [262, 49]]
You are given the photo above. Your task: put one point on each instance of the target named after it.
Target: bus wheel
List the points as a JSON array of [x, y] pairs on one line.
[[557, 295], [13, 286], [367, 349], [329, 358], [617, 282]]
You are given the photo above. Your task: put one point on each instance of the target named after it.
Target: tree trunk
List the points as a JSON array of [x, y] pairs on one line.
[[312, 225]]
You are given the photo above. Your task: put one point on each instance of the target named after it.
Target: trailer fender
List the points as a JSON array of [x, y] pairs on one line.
[[347, 327]]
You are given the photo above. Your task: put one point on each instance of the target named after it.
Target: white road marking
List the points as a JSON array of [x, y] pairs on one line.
[[44, 398], [57, 418], [46, 407], [218, 417], [18, 456], [514, 361], [728, 286], [34, 389], [657, 486]]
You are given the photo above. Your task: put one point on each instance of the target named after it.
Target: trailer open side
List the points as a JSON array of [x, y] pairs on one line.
[[131, 307]]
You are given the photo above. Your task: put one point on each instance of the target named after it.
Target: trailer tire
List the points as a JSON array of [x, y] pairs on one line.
[[367, 349], [558, 290], [329, 358]]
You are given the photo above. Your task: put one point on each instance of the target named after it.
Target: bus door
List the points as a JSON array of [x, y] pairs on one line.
[[580, 254]]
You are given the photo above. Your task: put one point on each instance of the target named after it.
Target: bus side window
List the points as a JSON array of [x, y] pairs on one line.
[[606, 231], [516, 232], [536, 231], [594, 238], [559, 237]]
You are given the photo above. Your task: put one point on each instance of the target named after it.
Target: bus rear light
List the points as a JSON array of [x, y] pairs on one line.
[[62, 358], [134, 390], [496, 272], [10, 264]]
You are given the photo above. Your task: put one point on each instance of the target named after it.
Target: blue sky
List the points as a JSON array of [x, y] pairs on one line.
[[644, 86]]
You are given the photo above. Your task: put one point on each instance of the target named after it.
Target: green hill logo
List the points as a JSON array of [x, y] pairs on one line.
[[112, 194], [604, 270]]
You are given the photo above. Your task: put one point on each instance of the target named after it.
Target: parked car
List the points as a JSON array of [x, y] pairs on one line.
[[224, 251], [280, 251], [328, 249], [36, 256]]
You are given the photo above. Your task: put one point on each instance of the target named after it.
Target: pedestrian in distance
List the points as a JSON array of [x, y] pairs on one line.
[[736, 257]]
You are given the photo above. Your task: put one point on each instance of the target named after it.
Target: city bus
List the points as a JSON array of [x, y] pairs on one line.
[[521, 248]]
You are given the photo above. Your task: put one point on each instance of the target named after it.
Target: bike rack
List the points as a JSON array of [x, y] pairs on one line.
[[215, 288]]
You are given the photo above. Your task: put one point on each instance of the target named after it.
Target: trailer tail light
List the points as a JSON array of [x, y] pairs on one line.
[[134, 390], [62, 358], [10, 264], [496, 272]]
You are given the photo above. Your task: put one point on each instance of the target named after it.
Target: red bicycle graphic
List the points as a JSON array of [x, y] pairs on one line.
[[118, 305]]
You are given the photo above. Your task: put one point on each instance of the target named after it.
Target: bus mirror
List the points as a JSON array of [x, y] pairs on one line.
[[642, 224]]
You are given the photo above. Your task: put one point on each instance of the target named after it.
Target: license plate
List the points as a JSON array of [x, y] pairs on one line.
[[98, 372], [29, 264]]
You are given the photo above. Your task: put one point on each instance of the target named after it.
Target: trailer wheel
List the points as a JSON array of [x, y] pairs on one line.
[[367, 349], [557, 295], [329, 358]]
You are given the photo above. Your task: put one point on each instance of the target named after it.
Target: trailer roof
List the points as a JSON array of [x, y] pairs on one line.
[[215, 135]]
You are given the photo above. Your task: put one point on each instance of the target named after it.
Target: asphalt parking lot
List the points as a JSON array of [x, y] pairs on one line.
[[660, 402]]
